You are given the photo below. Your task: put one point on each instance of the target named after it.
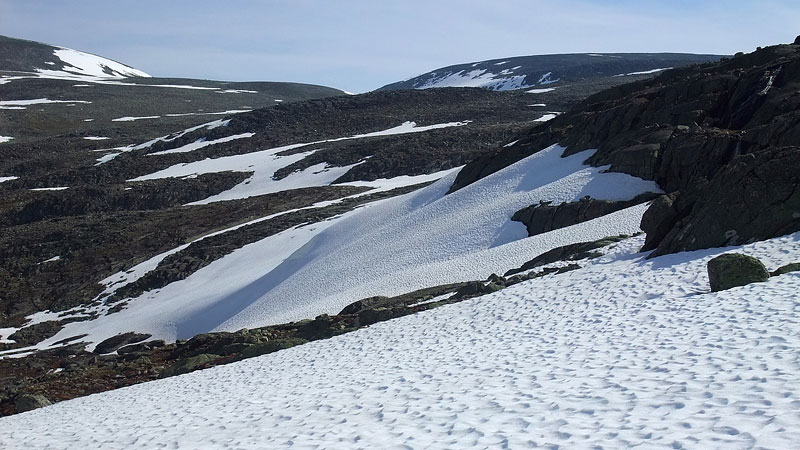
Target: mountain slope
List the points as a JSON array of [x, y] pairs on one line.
[[326, 207], [17, 55], [323, 268], [548, 70], [721, 139], [359, 142]]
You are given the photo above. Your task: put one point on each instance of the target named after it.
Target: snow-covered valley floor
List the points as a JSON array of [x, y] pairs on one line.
[[623, 352]]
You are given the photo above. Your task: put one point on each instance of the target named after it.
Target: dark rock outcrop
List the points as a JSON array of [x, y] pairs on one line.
[[141, 347], [735, 269], [36, 333], [572, 252], [755, 197], [368, 302], [29, 402], [546, 217], [189, 364], [788, 268], [113, 343], [719, 138], [659, 218]]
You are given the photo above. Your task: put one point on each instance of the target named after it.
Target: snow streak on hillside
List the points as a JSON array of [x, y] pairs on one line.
[[265, 163], [626, 352], [488, 75], [500, 81], [390, 247]]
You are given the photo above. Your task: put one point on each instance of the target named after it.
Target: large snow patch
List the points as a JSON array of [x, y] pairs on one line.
[[626, 352], [390, 247]]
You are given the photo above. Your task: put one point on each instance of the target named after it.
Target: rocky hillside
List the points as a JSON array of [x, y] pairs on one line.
[[548, 71], [721, 139], [72, 147], [126, 239], [18, 55]]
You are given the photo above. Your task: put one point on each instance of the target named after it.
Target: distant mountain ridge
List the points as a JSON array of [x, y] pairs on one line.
[[18, 55], [543, 70]]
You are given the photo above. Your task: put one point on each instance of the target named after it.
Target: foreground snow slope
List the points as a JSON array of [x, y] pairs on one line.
[[391, 247], [624, 352]]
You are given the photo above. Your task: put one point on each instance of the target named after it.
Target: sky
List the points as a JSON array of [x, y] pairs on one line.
[[361, 45]]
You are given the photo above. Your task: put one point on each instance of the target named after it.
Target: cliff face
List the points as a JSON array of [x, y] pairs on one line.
[[720, 138]]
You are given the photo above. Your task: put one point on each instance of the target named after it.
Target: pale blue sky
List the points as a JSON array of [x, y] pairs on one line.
[[360, 45]]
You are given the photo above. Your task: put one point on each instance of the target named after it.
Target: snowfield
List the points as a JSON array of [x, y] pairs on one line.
[[624, 352], [390, 247]]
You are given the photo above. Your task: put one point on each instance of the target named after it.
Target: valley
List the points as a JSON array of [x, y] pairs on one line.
[[524, 240]]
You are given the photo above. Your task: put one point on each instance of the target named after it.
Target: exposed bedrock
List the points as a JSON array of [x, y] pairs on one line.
[[546, 217], [721, 139]]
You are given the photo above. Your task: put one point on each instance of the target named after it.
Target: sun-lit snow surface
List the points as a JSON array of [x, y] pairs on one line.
[[427, 238], [540, 91], [390, 247], [133, 118], [4, 179], [21, 104], [644, 72], [626, 352], [56, 188], [546, 117], [5, 139]]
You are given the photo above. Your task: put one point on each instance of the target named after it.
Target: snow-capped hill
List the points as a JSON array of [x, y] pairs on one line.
[[17, 55], [86, 64], [541, 70]]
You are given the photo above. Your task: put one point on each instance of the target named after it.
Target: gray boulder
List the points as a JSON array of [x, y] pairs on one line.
[[188, 365], [735, 269], [28, 402]]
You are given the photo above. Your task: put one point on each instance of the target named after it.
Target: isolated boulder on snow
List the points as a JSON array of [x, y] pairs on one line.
[[735, 269]]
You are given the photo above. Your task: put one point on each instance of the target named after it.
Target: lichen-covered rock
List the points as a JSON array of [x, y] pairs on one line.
[[36, 333], [29, 402], [792, 267], [269, 347], [189, 364], [375, 315], [735, 269]]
